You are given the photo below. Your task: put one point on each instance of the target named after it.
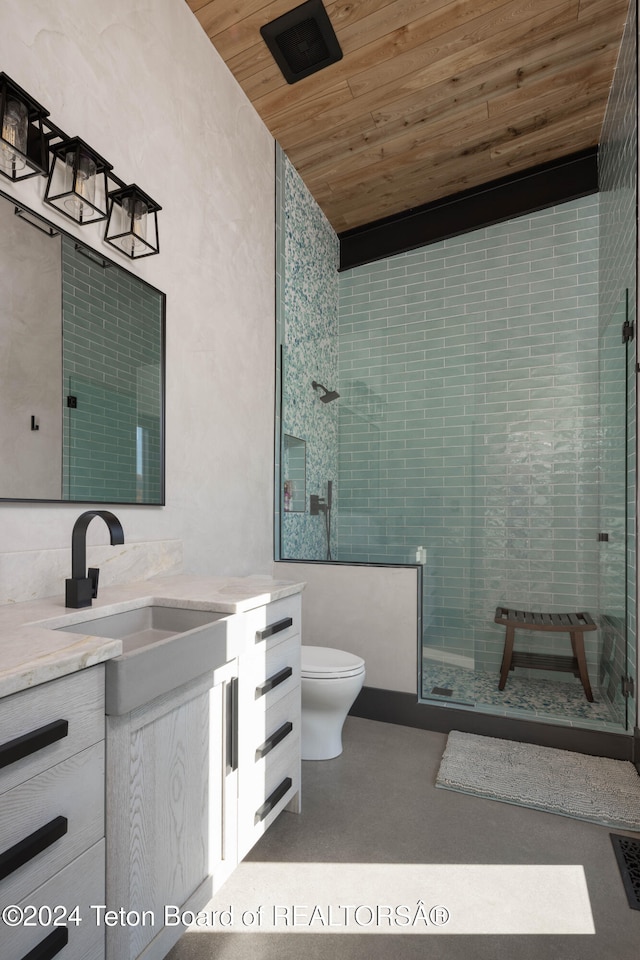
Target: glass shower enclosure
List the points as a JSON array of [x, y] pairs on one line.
[[484, 431]]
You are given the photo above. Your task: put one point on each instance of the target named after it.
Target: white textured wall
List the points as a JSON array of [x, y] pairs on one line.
[[140, 82], [369, 611]]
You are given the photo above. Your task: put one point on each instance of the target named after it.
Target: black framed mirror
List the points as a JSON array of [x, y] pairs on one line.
[[82, 370]]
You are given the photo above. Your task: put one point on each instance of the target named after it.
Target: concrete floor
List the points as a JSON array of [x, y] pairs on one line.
[[377, 803]]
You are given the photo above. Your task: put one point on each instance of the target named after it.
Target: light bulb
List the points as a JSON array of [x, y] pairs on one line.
[[14, 136], [84, 187], [135, 223]]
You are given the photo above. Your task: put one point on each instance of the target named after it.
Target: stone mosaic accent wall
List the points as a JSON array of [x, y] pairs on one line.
[[618, 294], [309, 337], [469, 424], [112, 366]]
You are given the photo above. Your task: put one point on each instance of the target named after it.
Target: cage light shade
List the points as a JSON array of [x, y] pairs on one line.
[[132, 226], [77, 183], [23, 143]]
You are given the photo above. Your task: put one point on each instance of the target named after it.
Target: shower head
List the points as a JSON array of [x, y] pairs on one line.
[[328, 395]]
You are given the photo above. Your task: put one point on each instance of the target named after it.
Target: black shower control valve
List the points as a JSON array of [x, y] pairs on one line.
[[317, 505]]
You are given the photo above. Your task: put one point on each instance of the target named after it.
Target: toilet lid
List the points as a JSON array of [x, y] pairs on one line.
[[325, 662]]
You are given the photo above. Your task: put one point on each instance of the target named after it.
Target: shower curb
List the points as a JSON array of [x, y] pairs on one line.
[[393, 706]]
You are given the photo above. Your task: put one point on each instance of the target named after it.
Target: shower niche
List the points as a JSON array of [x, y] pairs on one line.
[[294, 474]]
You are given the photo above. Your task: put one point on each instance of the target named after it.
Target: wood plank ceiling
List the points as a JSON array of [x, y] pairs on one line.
[[432, 97]]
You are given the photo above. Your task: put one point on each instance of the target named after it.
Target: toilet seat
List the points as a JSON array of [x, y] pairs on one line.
[[325, 663]]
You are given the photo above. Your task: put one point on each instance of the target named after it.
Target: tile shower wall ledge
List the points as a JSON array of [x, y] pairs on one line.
[[370, 610], [31, 654]]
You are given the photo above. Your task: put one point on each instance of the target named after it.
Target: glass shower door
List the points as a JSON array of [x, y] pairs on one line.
[[615, 508]]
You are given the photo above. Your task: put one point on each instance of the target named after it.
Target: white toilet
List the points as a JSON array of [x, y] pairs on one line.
[[331, 681]]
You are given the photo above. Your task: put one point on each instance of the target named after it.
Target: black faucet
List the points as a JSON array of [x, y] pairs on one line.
[[81, 589]]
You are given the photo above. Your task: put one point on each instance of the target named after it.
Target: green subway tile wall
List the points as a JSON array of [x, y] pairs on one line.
[[469, 424]]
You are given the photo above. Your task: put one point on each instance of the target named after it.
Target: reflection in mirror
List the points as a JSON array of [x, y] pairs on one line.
[[82, 387]]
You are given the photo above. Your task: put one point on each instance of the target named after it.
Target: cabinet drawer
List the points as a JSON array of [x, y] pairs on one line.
[[35, 842], [79, 884], [267, 675], [46, 724], [273, 730], [266, 795], [269, 625]]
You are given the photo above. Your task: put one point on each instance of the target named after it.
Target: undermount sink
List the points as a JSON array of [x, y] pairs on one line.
[[163, 647], [144, 625]]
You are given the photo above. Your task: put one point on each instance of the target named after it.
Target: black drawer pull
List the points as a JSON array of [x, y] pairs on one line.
[[49, 947], [273, 800], [25, 850], [274, 740], [30, 743], [273, 681], [232, 725], [277, 627]]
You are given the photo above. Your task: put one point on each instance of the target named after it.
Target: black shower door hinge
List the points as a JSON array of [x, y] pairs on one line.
[[628, 687], [627, 331]]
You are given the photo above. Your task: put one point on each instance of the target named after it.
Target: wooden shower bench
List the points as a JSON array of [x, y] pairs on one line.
[[575, 624]]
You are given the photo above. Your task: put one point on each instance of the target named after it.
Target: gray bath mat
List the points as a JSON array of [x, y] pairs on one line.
[[557, 781]]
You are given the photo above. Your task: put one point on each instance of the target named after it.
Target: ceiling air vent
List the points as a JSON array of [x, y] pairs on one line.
[[302, 41]]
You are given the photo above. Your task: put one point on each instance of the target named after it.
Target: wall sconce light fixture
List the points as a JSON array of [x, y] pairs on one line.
[[77, 184], [81, 184], [23, 141], [133, 222]]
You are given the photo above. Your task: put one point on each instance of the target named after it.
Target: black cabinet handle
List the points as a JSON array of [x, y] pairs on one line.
[[49, 947], [25, 850], [273, 681], [274, 740], [232, 725], [277, 627], [273, 800], [30, 743]]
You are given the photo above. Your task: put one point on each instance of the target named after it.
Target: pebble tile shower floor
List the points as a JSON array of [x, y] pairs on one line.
[[523, 697]]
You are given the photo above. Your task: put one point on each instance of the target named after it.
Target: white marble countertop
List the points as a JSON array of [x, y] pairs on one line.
[[32, 652]]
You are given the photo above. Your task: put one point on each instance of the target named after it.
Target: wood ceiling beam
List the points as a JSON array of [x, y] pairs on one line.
[[519, 194]]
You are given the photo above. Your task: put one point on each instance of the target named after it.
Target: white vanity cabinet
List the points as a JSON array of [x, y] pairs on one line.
[[171, 798], [52, 851], [195, 776]]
